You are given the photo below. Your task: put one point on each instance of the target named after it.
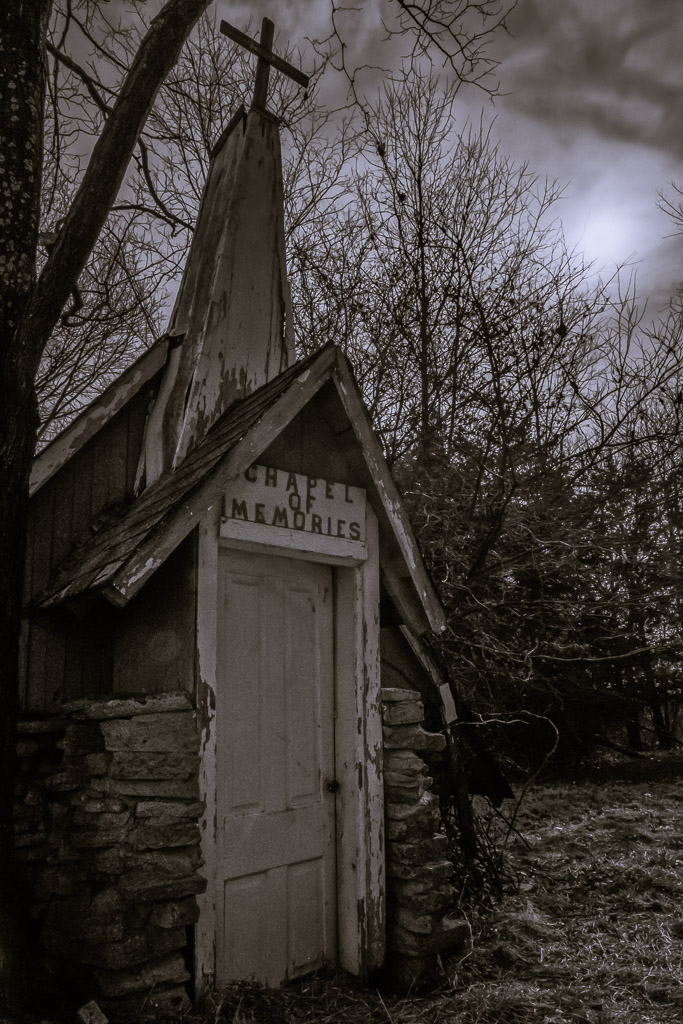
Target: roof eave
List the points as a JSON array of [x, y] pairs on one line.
[[402, 569], [97, 414], [161, 542], [405, 577]]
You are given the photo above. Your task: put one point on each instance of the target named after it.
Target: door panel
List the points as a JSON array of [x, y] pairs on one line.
[[275, 731]]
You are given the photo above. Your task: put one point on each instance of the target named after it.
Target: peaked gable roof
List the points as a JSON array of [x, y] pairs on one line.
[[123, 555]]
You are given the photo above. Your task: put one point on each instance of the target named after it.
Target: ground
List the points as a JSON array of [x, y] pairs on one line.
[[590, 930]]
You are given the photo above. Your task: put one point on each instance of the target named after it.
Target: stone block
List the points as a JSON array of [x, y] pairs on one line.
[[412, 737], [92, 838], [410, 829], [135, 949], [167, 874], [61, 944], [26, 748], [170, 863], [426, 806], [90, 1013], [36, 838], [394, 777], [97, 764], [392, 695], [409, 943], [110, 862], [451, 933], [175, 913], [41, 726], [405, 890], [58, 880], [157, 837], [33, 797], [170, 1000], [86, 801], [76, 925], [81, 738], [160, 765], [126, 707], [97, 932], [421, 923], [178, 789], [144, 885], [161, 1003], [409, 793], [164, 812], [436, 871], [99, 804], [404, 761], [405, 713], [161, 971], [60, 814], [433, 900], [418, 851], [106, 903], [174, 732], [64, 782], [62, 851], [103, 820]]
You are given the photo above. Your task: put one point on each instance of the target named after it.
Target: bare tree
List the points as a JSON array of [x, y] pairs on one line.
[[125, 289], [511, 394], [32, 307], [84, 184]]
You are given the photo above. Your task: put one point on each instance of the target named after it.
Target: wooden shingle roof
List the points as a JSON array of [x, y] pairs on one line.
[[129, 547], [98, 563]]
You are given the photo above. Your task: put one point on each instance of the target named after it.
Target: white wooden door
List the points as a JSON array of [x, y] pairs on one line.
[[276, 895]]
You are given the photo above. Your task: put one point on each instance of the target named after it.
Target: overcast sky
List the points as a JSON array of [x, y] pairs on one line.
[[594, 98]]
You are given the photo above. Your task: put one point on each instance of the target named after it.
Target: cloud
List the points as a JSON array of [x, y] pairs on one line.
[[609, 68]]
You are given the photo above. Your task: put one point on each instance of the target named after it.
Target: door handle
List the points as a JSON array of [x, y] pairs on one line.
[[332, 786]]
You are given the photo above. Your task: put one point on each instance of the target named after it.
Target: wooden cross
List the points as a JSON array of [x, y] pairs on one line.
[[264, 51]]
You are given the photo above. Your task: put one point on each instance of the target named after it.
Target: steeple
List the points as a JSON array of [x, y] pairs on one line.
[[232, 316]]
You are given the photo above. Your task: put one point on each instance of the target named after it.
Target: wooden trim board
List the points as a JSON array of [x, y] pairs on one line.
[[360, 822], [207, 624], [358, 742], [95, 416]]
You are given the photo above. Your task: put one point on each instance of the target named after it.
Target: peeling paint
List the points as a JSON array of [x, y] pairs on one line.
[[233, 303], [149, 567]]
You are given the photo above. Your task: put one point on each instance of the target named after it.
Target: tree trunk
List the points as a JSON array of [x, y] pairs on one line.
[[633, 735], [664, 737], [22, 96], [29, 311], [467, 830]]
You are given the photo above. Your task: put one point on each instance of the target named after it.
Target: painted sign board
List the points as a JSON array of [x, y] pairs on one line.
[[267, 505]]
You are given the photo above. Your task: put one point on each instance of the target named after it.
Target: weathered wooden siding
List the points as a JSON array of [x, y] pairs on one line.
[[154, 644], [314, 443], [66, 657], [321, 442], [401, 670]]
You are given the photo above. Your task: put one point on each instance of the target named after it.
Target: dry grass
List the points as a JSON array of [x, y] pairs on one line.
[[590, 933]]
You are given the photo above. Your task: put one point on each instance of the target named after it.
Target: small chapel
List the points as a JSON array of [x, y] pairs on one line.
[[231, 723]]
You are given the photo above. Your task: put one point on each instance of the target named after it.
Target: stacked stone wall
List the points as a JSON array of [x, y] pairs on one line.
[[107, 834], [421, 923]]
